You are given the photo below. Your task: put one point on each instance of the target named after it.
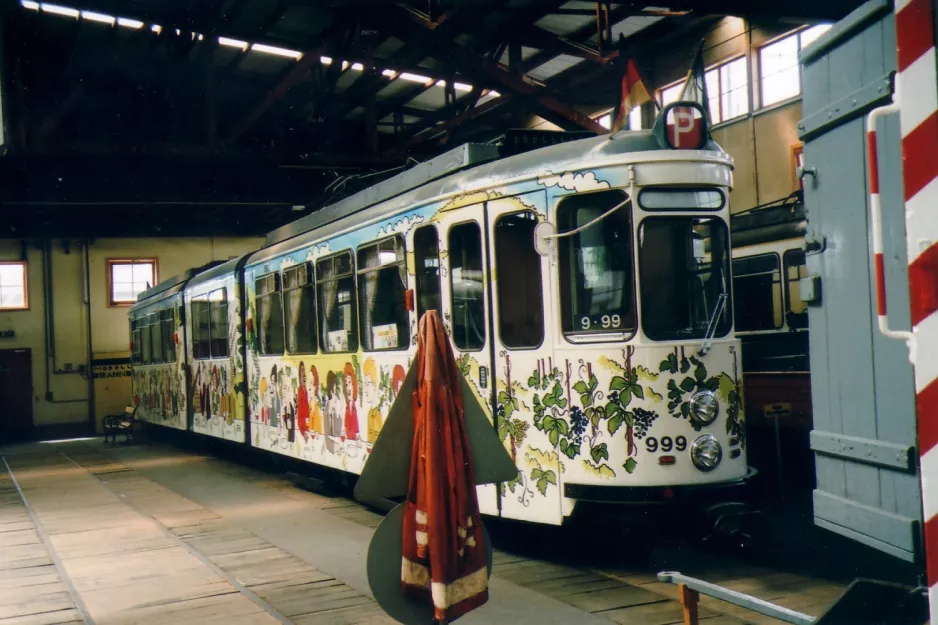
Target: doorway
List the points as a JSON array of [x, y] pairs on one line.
[[16, 396]]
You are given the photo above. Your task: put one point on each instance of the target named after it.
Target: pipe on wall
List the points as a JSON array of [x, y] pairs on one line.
[[49, 311], [86, 279]]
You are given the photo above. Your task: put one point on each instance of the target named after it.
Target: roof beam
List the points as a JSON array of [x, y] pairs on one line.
[[484, 70], [447, 126]]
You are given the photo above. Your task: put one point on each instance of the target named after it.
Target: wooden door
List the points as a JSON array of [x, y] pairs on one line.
[[16, 396]]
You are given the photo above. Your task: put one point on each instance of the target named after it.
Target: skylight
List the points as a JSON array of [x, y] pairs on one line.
[[129, 23], [98, 17], [59, 10], [29, 4], [260, 47], [233, 43]]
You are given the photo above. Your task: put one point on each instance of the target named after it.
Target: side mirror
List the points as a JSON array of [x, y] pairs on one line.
[[543, 244]]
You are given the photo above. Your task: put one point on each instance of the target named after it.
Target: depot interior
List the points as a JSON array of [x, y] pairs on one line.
[[143, 139]]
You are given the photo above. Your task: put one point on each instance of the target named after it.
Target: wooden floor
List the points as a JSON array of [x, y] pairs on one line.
[[89, 534]]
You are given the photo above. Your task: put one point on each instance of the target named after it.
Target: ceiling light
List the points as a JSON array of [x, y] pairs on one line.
[[29, 4], [129, 23], [54, 8], [458, 86], [201, 37], [358, 67], [156, 28], [390, 73], [259, 47], [233, 43], [98, 17], [325, 60], [416, 78]]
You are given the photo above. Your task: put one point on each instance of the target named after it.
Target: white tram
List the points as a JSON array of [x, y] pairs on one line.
[[586, 288]]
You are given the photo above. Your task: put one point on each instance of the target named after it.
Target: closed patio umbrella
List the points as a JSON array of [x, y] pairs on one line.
[[443, 551]]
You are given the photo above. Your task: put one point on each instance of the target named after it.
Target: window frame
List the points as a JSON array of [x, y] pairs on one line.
[[486, 306], [797, 35], [323, 348], [540, 277], [25, 267], [311, 283], [168, 313], [786, 287], [684, 209], [781, 285], [418, 269], [211, 324], [110, 263], [603, 336], [719, 96], [278, 289], [402, 264]]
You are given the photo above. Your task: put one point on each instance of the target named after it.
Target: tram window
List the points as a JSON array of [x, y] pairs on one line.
[[148, 341], [680, 199], [299, 308], [466, 281], [218, 331], [795, 270], [338, 317], [269, 314], [518, 267], [757, 289], [427, 260], [684, 269], [382, 287], [596, 270], [168, 323], [201, 328], [136, 333]]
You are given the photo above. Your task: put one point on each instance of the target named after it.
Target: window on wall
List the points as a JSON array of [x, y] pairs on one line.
[[14, 294], [427, 261], [779, 71], [634, 121], [299, 305], [269, 314], [338, 314], [727, 90], [128, 278], [382, 287], [218, 331], [518, 267]]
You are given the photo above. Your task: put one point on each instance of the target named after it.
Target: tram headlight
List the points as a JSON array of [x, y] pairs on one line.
[[704, 407], [706, 453]]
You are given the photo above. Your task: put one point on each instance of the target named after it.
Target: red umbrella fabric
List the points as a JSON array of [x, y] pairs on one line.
[[443, 550]]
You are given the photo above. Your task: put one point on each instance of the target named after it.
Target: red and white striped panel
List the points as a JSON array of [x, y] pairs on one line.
[[917, 84]]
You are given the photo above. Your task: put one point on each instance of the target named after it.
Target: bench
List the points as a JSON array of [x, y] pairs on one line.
[[125, 422]]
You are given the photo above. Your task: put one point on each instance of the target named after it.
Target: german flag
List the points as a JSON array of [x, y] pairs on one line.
[[634, 93]]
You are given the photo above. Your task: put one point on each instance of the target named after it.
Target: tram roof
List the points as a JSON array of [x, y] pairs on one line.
[[457, 172], [219, 270]]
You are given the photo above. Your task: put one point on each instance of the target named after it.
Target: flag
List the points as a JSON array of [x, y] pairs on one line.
[[695, 87], [634, 93]]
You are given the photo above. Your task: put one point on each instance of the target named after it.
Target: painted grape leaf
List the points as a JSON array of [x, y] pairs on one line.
[[616, 421], [630, 465], [618, 383], [599, 452], [668, 364], [688, 384]]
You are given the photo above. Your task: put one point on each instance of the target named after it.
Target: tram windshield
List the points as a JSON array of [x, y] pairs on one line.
[[596, 275], [684, 272]]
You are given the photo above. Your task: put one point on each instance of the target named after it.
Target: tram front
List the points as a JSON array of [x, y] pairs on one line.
[[645, 302]]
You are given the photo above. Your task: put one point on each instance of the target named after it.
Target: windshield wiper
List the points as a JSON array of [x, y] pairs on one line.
[[712, 324]]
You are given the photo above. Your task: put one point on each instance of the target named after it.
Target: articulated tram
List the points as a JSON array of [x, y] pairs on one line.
[[586, 288]]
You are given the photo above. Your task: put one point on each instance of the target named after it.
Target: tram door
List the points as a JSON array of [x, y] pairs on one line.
[[523, 355]]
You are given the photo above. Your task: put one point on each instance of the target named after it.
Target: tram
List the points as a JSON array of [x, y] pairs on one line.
[[586, 288]]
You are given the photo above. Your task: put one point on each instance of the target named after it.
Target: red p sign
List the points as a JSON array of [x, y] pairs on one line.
[[685, 128]]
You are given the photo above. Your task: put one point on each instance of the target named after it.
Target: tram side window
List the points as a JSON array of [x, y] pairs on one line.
[[382, 288], [168, 323], [520, 294], [136, 332], [148, 342], [597, 291], [299, 307], [757, 287], [269, 314], [201, 328], [218, 331], [466, 280], [795, 270], [427, 260], [338, 317]]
